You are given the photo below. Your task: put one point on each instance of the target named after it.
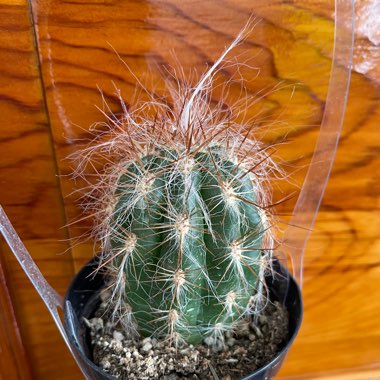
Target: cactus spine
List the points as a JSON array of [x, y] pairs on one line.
[[182, 217]]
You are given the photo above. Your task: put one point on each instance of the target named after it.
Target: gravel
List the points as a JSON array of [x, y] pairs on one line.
[[250, 346]]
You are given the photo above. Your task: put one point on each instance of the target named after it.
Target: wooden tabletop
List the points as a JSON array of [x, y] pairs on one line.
[[55, 55]]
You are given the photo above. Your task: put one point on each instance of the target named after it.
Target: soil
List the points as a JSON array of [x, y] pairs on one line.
[[253, 344]]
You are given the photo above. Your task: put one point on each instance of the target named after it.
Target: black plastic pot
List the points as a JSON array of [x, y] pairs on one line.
[[82, 301]]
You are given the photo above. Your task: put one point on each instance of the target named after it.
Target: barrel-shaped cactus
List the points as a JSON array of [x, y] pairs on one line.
[[186, 243], [181, 212]]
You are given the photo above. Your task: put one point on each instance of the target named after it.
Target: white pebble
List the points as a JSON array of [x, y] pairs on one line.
[[146, 340], [118, 345], [184, 351], [97, 323], [118, 336], [194, 355], [146, 347], [105, 364]]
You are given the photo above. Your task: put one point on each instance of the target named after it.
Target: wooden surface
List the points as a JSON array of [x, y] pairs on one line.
[[13, 359], [31, 196], [54, 54]]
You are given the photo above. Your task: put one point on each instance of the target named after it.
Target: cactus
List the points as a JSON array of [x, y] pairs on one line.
[[182, 216], [187, 236]]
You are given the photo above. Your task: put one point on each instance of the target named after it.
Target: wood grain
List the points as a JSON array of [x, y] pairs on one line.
[[30, 194], [13, 359], [359, 374], [50, 75]]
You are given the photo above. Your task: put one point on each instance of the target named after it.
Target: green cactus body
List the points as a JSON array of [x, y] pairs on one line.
[[187, 235]]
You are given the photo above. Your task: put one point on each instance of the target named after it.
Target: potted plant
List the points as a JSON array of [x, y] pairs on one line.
[[182, 165], [186, 283]]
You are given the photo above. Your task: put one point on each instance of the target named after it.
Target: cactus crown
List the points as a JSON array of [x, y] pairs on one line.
[[182, 216]]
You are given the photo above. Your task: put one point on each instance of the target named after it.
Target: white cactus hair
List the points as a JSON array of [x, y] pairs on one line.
[[191, 123]]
